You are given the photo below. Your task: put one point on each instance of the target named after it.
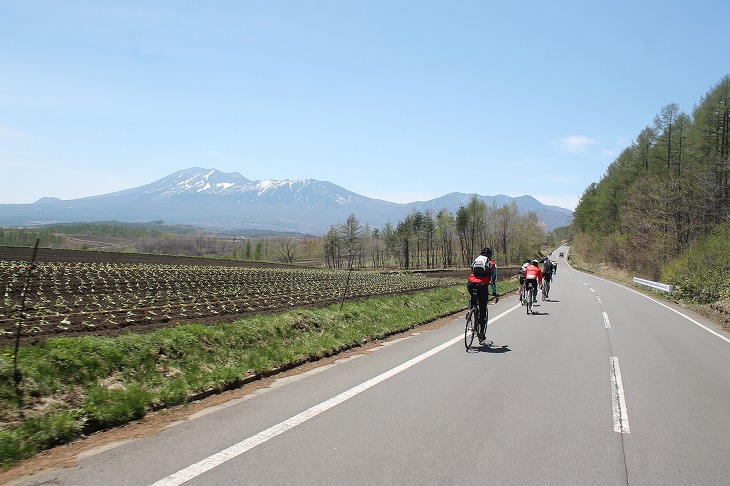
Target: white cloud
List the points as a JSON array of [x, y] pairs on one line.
[[576, 144]]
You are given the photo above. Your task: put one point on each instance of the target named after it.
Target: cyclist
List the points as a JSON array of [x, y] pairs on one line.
[[533, 277], [522, 281], [482, 269], [547, 274], [555, 267]]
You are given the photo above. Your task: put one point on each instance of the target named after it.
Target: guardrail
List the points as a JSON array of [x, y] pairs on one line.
[[655, 285]]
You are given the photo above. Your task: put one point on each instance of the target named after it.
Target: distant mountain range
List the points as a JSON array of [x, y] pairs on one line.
[[229, 202]]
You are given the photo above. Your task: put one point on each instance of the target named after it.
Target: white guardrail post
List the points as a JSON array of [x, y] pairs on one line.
[[655, 285]]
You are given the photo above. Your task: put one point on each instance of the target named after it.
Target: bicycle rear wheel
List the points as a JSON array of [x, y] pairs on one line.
[[470, 331], [529, 301]]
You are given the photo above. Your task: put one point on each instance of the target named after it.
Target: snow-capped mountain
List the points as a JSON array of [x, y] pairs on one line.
[[215, 200]]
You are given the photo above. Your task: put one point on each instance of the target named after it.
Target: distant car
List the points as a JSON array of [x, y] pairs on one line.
[[562, 254]]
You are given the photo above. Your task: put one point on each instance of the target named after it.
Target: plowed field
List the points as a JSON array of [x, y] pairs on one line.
[[74, 293]]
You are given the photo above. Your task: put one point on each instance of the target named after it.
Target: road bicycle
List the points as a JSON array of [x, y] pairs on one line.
[[529, 295], [471, 330]]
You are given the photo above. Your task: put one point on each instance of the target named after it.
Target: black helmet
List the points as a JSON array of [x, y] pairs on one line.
[[487, 252]]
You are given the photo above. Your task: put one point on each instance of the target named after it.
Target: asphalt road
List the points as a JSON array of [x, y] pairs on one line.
[[604, 385]]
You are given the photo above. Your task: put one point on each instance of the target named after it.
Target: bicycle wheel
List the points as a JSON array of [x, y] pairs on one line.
[[529, 301], [470, 331]]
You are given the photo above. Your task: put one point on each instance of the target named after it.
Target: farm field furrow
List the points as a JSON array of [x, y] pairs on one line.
[[105, 297]]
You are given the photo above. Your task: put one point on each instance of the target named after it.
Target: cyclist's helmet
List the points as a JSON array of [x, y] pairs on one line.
[[535, 262], [487, 252]]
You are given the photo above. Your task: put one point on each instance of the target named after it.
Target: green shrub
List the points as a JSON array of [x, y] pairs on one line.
[[700, 273]]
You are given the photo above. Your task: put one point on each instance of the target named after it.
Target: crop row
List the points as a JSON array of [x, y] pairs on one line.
[[84, 297]]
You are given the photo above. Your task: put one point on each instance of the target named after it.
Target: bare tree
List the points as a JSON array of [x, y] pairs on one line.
[[286, 249]]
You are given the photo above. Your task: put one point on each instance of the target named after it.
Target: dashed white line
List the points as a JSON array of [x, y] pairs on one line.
[[618, 399], [606, 322]]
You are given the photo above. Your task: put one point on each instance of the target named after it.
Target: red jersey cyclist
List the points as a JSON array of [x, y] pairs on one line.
[[533, 277]]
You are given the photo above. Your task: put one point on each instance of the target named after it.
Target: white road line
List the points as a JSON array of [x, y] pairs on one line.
[[606, 322], [195, 470], [666, 306], [599, 299], [618, 399]]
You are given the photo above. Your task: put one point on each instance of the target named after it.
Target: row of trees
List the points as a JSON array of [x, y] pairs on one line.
[[422, 240], [428, 240], [670, 187]]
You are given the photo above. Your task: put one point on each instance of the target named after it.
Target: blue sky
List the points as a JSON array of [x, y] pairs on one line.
[[396, 100]]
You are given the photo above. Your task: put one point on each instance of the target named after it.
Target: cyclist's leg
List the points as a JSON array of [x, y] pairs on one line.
[[472, 289], [522, 290], [483, 293]]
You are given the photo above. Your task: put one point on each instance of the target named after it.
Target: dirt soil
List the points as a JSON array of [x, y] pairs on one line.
[[115, 327], [66, 456], [14, 253]]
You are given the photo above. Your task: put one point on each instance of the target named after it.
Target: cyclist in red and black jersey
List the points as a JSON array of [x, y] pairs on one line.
[[482, 272]]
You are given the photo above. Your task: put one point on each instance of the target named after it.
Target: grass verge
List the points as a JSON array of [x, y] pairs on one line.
[[70, 387]]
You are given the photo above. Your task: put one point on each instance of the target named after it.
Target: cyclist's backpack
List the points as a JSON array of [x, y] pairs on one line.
[[547, 267], [482, 267]]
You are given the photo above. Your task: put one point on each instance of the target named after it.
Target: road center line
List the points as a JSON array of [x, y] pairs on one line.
[[235, 450], [606, 322], [618, 399]]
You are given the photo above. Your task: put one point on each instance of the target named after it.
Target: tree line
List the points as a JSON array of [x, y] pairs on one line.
[[425, 239], [665, 192]]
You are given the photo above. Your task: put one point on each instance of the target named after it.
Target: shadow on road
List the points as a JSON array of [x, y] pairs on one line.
[[536, 312], [490, 348]]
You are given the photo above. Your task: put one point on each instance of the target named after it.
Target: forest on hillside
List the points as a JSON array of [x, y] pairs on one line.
[[662, 208]]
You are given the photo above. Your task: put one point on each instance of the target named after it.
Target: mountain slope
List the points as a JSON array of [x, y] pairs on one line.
[[222, 201]]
